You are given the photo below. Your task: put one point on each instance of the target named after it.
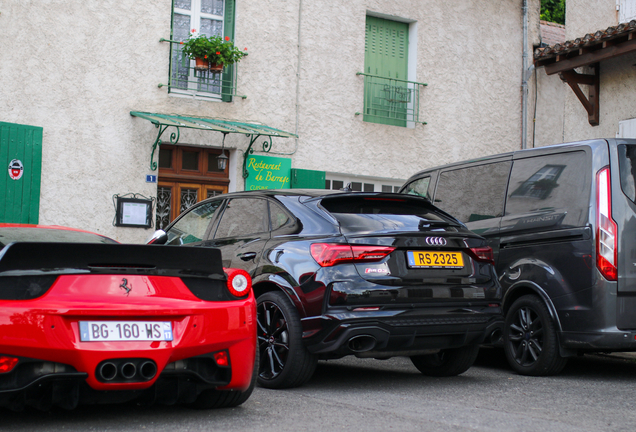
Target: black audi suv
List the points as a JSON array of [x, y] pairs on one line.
[[337, 273]]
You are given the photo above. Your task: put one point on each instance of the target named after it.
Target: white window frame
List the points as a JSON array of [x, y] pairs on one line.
[[195, 15], [378, 182], [626, 128], [626, 10]]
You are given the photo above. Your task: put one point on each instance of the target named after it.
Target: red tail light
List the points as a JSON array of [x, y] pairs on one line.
[[484, 254], [606, 242], [239, 282], [222, 358], [330, 254], [7, 364]]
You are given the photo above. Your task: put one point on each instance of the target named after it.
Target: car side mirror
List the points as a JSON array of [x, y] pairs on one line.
[[159, 237]]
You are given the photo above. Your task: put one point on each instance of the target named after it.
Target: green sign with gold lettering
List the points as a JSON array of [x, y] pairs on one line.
[[267, 172]]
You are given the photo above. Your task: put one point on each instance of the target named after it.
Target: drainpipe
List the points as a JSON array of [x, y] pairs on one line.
[[524, 79]]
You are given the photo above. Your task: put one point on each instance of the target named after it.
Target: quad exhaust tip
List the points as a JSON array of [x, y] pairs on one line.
[[126, 370]]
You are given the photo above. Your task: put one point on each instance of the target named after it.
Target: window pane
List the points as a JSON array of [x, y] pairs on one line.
[[337, 185], [164, 197], [211, 27], [214, 7], [355, 186], [243, 216], [213, 165], [165, 158], [327, 184], [369, 187], [386, 188], [192, 226], [183, 4], [627, 166], [278, 216], [550, 190], [418, 187], [189, 197], [485, 185], [190, 160], [180, 65]]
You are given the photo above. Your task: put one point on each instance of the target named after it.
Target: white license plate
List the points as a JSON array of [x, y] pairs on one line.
[[125, 331]]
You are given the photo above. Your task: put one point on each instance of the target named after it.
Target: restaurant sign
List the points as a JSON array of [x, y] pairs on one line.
[[267, 172]]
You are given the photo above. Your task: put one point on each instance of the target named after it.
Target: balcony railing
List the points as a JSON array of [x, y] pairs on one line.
[[185, 79], [391, 100]]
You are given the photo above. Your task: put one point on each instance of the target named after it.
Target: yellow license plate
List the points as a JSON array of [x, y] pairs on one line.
[[429, 259]]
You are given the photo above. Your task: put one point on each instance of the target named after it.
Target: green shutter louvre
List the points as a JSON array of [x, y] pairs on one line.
[[386, 55], [228, 30], [20, 199]]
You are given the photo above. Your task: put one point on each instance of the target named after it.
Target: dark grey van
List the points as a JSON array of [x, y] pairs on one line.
[[562, 223]]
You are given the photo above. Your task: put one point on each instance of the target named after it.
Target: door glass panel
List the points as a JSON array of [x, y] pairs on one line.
[[189, 197], [165, 158], [213, 164], [190, 160], [193, 225], [243, 216], [484, 185], [164, 197]]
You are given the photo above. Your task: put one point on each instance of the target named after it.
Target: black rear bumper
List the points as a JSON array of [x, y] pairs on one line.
[[399, 332]]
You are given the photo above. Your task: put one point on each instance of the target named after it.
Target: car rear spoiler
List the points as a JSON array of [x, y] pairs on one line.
[[71, 258]]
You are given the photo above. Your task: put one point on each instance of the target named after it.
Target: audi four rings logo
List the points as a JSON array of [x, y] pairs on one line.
[[436, 241]]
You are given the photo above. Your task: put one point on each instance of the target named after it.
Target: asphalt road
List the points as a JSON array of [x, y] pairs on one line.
[[594, 393]]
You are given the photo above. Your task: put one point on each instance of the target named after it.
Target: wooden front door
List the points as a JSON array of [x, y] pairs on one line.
[[187, 175]]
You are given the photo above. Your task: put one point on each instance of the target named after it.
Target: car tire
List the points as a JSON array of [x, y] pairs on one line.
[[447, 362], [285, 362], [530, 338], [213, 398]]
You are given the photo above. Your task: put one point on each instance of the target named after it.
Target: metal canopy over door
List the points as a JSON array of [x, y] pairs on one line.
[[386, 55], [21, 162]]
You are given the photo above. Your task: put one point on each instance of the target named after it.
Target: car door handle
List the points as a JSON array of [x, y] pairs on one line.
[[247, 256]]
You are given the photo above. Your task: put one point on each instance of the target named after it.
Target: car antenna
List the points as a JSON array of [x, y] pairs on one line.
[[347, 188]]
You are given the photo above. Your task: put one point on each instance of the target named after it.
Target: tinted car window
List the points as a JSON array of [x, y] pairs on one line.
[[193, 225], [627, 166], [377, 214], [418, 187], [243, 216], [278, 217], [553, 184], [473, 193]]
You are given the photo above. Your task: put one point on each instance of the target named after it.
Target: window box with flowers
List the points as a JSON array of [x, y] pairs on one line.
[[212, 52]]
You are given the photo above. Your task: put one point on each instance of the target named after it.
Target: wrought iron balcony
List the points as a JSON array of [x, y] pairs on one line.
[[185, 79], [390, 100]]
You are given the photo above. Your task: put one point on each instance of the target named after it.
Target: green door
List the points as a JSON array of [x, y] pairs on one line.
[[386, 56], [21, 163]]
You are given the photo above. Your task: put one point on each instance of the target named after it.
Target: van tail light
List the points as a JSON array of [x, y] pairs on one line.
[[330, 254], [483, 254], [606, 242], [239, 282]]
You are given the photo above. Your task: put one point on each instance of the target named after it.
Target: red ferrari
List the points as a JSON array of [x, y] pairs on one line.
[[86, 320]]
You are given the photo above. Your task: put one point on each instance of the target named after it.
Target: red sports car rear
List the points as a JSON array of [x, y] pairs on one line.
[[96, 323]]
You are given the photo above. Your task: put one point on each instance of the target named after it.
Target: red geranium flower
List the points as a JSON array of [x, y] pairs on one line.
[[206, 56], [217, 53], [181, 42], [245, 48], [227, 38], [194, 30]]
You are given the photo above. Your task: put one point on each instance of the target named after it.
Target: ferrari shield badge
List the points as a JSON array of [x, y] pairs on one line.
[[16, 169]]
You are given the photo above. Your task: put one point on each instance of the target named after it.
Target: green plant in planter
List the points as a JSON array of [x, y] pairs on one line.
[[214, 49]]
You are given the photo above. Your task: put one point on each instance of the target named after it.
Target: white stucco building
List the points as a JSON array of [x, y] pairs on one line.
[[74, 71]]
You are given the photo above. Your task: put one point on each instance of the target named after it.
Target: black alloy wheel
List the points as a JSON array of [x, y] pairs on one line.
[[284, 360], [530, 339]]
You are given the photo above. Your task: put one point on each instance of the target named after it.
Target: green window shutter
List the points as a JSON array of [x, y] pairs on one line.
[[20, 199], [228, 30], [307, 179], [386, 55]]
